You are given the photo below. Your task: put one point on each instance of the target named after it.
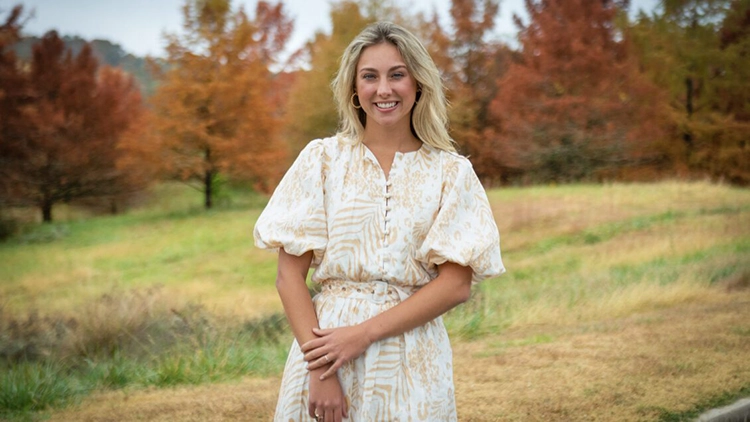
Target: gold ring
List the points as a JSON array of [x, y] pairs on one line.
[[317, 417], [326, 358]]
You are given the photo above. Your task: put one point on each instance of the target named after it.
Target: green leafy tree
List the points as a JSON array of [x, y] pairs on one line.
[[311, 108]]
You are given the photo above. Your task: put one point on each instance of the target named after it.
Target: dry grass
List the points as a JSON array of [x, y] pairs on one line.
[[634, 368], [626, 369], [250, 400], [622, 302]]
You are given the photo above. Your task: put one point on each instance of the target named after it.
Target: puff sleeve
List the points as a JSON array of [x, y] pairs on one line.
[[295, 217], [464, 231]]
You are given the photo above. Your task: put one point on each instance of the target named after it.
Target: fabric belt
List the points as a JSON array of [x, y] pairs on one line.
[[375, 291]]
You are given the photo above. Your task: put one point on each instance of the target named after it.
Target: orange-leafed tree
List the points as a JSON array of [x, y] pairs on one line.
[[66, 131], [705, 45], [214, 110], [575, 106]]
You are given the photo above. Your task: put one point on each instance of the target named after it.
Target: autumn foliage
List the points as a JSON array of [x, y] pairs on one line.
[[216, 110], [587, 93], [63, 117]]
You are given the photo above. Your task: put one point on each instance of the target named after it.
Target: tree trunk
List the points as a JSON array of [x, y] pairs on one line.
[[46, 211], [687, 136], [208, 180], [208, 189]]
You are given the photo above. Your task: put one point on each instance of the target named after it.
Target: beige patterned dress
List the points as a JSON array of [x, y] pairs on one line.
[[375, 242]]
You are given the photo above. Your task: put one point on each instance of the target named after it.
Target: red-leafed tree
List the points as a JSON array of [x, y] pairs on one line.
[[13, 94], [63, 142], [471, 64], [575, 106], [215, 110]]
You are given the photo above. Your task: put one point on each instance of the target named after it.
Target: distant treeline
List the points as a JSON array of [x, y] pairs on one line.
[[106, 52], [587, 94]]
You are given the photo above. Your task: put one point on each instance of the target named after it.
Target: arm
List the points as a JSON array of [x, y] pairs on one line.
[[326, 396], [451, 288]]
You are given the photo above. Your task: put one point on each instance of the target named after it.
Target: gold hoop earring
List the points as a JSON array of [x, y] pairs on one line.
[[351, 100]]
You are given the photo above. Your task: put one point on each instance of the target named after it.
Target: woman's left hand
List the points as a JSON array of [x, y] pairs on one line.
[[334, 346]]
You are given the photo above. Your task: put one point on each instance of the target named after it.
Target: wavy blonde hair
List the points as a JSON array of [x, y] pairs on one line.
[[429, 117]]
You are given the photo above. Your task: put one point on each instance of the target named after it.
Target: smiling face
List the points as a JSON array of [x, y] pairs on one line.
[[385, 88]]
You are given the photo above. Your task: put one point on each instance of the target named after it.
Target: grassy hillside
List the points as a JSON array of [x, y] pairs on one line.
[[170, 294]]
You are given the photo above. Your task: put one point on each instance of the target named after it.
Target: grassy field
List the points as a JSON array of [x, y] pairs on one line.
[[647, 286]]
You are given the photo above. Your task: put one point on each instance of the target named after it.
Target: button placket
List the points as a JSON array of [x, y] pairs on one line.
[[386, 224]]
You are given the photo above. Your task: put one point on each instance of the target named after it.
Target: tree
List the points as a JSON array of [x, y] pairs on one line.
[[13, 94], [213, 110], [312, 110], [575, 106], [63, 145], [705, 45], [471, 65]]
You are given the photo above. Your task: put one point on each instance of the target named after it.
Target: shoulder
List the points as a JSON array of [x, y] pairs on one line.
[[452, 164], [327, 148]]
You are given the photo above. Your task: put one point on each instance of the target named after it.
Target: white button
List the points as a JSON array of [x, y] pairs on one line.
[[386, 232], [387, 218], [388, 183], [387, 196], [388, 208]]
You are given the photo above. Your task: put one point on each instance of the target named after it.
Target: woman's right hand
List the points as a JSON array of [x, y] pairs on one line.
[[327, 399]]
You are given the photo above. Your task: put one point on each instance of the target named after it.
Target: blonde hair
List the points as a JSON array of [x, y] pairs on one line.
[[429, 119]]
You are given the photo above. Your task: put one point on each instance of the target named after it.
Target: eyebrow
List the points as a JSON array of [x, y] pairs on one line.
[[371, 69]]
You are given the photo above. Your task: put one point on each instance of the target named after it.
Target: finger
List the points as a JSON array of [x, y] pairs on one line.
[[345, 408], [329, 415], [316, 354], [320, 332], [331, 371], [318, 363], [311, 410], [311, 345], [337, 415]]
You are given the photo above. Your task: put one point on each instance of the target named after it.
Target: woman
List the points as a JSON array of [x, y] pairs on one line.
[[398, 228]]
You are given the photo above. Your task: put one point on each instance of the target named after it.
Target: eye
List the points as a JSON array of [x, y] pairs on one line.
[[368, 76], [398, 75]]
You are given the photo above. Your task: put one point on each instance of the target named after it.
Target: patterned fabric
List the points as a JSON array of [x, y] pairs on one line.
[[375, 242]]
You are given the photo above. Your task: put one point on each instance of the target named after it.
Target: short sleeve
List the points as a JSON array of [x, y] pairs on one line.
[[295, 216], [464, 231]]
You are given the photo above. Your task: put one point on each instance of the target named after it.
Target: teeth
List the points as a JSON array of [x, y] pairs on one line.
[[386, 105]]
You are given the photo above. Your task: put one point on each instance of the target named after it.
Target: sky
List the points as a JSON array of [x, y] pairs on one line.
[[139, 25]]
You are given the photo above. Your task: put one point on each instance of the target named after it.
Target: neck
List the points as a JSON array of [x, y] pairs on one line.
[[397, 140]]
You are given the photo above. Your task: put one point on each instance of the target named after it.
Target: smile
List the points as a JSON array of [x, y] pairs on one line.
[[386, 105]]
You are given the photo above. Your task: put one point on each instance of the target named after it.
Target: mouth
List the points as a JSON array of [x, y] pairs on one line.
[[385, 106]]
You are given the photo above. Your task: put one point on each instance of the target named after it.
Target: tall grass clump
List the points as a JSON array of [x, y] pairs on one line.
[[29, 387], [129, 338]]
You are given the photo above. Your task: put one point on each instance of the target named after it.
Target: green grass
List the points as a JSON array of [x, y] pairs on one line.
[[169, 294]]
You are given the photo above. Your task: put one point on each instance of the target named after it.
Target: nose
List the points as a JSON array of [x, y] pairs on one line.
[[384, 88]]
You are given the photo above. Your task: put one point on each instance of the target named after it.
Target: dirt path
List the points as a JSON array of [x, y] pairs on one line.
[[630, 369]]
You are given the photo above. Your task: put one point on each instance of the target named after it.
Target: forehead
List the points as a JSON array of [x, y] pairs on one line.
[[383, 55]]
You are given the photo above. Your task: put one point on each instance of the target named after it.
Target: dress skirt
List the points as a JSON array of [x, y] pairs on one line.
[[403, 378]]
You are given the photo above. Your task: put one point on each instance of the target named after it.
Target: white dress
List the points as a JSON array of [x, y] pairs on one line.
[[375, 242]]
